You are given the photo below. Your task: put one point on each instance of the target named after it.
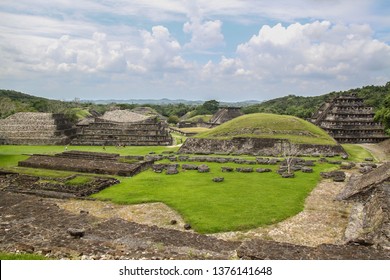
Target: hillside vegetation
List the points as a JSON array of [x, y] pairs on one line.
[[262, 125], [304, 107]]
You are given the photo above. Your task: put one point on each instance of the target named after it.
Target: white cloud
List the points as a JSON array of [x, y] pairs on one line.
[[205, 35], [313, 49]]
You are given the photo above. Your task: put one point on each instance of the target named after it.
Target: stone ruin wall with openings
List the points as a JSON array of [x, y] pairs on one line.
[[147, 132], [348, 120]]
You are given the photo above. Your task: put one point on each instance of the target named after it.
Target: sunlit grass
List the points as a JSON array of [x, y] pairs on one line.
[[356, 153]]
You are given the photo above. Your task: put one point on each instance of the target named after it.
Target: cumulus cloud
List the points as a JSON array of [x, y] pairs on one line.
[[160, 50], [205, 35], [318, 50]]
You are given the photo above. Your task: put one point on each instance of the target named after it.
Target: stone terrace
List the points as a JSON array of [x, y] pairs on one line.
[[29, 128], [98, 163]]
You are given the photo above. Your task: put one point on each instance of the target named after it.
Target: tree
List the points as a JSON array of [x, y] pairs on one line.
[[7, 107], [289, 152], [173, 119], [209, 107], [383, 114]]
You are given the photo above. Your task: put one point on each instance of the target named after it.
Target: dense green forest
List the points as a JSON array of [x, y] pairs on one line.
[[299, 106], [304, 107]]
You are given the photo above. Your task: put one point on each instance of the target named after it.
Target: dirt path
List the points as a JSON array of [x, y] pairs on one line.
[[323, 220], [148, 214]]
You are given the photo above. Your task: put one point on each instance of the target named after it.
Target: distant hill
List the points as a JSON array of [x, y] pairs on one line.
[[304, 107], [163, 101], [166, 101], [262, 125]]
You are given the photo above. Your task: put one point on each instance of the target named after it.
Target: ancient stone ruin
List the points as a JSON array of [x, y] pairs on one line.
[[89, 162], [53, 187], [225, 114], [29, 128], [370, 216], [254, 146], [123, 128], [348, 120]]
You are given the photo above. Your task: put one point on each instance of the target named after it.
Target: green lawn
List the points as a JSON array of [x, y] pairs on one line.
[[242, 201], [356, 153]]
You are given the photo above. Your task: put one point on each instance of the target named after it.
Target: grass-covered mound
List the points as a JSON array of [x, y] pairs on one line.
[[270, 126]]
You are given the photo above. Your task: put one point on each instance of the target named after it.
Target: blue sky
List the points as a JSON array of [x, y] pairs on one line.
[[230, 50]]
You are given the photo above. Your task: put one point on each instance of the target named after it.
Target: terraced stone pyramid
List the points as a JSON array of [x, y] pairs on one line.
[[30, 128], [348, 120], [122, 127]]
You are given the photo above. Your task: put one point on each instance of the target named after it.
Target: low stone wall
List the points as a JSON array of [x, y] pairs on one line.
[[253, 146]]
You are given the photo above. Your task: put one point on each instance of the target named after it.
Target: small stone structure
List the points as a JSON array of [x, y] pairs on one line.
[[253, 146], [225, 114], [53, 187], [29, 128], [348, 120], [370, 217], [122, 127], [98, 163]]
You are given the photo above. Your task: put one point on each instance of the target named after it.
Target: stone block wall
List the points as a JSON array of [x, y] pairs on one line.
[[253, 146]]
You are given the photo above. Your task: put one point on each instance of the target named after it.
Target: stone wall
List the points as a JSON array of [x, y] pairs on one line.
[[29, 128], [253, 146]]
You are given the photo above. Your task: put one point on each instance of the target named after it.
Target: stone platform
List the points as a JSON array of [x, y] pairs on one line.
[[53, 187], [97, 163]]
